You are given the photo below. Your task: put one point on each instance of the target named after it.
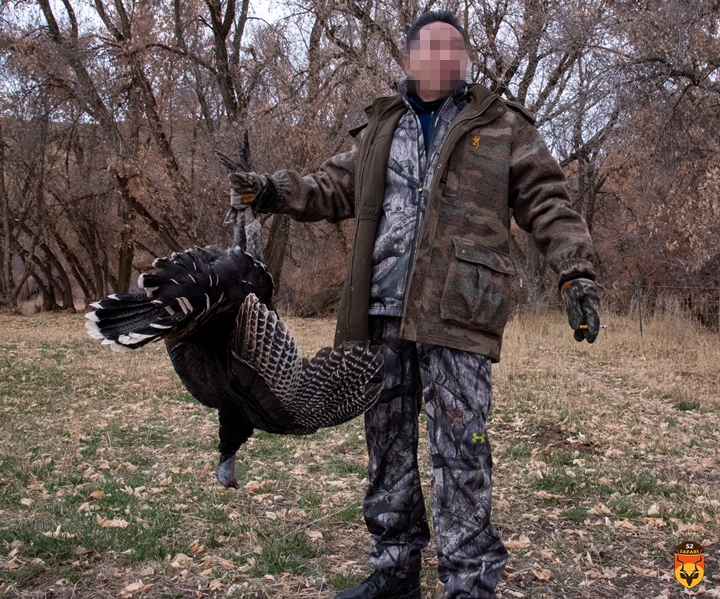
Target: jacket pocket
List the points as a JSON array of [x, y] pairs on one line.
[[479, 291]]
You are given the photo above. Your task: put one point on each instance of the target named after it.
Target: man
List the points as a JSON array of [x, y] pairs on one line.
[[431, 183]]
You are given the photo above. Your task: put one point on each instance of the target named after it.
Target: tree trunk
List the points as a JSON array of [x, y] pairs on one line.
[[275, 248], [6, 282]]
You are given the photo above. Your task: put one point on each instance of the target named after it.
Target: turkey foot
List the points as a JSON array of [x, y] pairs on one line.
[[226, 472]]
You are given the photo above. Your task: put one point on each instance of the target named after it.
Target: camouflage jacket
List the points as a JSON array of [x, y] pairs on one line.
[[408, 183], [462, 286]]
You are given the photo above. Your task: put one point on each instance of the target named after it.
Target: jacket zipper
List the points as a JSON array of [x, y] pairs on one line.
[[417, 229]]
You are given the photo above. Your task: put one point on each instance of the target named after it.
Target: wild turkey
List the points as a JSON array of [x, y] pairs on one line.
[[214, 310]]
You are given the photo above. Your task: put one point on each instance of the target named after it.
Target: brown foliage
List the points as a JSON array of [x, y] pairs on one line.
[[112, 113]]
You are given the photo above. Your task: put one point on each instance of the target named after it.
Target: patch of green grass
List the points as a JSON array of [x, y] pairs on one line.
[[309, 498], [686, 406], [342, 582], [285, 553], [344, 468], [624, 508], [559, 457], [576, 514], [642, 483], [519, 451], [555, 481], [351, 513]]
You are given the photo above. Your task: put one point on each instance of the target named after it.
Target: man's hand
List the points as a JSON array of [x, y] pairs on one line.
[[582, 304], [244, 188]]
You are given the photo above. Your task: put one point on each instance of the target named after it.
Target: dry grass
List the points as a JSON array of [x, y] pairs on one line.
[[606, 457]]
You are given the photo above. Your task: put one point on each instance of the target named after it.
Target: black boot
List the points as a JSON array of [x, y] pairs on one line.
[[385, 586]]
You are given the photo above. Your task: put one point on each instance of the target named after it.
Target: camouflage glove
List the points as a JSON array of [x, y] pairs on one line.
[[244, 188], [583, 305]]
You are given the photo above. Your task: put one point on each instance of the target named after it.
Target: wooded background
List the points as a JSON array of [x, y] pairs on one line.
[[111, 111]]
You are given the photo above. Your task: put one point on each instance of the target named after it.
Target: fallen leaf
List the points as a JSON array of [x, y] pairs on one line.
[[654, 522], [114, 523], [179, 561], [26, 501], [252, 486], [97, 494], [228, 564], [315, 535], [549, 495], [135, 587], [522, 542], [196, 547], [653, 510], [600, 509], [625, 524], [542, 574], [56, 534]]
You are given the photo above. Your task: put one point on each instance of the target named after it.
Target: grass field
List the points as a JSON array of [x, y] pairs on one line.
[[606, 457]]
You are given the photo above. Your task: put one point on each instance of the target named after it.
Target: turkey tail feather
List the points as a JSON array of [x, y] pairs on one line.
[[183, 293], [126, 320]]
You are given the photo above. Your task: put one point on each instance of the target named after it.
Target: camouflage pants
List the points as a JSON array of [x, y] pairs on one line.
[[458, 394]]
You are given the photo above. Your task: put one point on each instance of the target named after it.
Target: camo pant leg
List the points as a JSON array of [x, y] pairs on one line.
[[394, 507], [458, 394]]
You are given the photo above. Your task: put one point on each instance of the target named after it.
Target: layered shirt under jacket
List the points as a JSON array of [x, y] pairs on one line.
[[409, 180]]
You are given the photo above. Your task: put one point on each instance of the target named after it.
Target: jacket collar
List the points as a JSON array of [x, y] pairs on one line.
[[407, 86], [478, 97]]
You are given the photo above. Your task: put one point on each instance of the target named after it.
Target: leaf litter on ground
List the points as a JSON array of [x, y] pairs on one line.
[[108, 486]]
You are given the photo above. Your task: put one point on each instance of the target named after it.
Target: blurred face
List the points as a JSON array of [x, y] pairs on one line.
[[436, 60]]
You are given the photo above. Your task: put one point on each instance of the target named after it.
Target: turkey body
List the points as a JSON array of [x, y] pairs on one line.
[[213, 308]]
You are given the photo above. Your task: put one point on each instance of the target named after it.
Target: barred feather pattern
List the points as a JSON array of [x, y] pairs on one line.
[[330, 389], [182, 293], [264, 342], [335, 386]]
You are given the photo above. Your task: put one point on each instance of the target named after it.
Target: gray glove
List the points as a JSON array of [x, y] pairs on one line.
[[583, 306]]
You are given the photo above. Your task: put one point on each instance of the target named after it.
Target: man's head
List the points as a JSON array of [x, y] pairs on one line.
[[435, 54]]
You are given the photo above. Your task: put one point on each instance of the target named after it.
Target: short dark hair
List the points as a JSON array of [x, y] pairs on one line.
[[433, 16]]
